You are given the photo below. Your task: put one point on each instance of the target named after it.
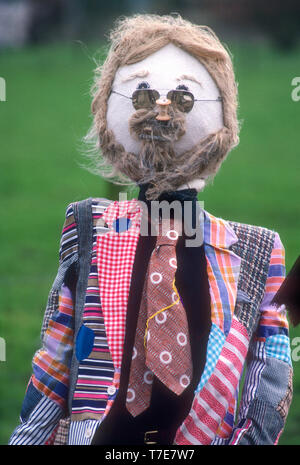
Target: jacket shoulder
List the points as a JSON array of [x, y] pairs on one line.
[[69, 237], [254, 246], [252, 233]]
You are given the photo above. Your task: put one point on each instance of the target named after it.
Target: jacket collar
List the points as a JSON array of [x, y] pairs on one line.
[[223, 267], [217, 232]]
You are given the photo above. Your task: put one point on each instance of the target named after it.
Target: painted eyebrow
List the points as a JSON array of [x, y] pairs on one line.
[[138, 74], [188, 77]]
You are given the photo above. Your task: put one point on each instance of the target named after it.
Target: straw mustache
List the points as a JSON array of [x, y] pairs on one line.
[[145, 126], [157, 153]]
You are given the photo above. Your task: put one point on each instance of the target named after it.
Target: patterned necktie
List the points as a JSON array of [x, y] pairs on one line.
[[162, 346]]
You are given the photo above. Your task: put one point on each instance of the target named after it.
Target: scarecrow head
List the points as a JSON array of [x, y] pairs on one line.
[[164, 104]]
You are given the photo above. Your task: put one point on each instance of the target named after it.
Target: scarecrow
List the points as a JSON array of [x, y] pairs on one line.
[[158, 306]]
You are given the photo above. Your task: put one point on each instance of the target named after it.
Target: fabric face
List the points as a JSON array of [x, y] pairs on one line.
[[164, 70]]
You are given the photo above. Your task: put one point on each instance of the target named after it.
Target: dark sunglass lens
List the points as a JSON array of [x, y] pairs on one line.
[[144, 98], [182, 99]]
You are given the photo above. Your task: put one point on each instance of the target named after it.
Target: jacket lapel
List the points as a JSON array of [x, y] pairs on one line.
[[115, 258], [223, 267], [214, 399]]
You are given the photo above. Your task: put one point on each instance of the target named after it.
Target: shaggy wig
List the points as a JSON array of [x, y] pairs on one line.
[[133, 39]]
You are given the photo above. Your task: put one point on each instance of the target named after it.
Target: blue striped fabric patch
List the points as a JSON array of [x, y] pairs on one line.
[[278, 346], [31, 400], [40, 424], [214, 346], [69, 237], [276, 270], [96, 371], [82, 432], [252, 376], [268, 331]]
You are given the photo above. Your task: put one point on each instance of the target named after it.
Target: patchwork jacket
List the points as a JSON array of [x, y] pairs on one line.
[[76, 372]]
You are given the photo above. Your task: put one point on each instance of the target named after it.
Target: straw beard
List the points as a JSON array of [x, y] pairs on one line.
[[157, 158], [157, 163]]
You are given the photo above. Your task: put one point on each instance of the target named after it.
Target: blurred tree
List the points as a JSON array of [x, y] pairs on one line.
[[139, 6], [279, 20], [45, 19], [92, 19]]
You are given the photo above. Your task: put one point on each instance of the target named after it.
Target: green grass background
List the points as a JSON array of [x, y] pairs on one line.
[[41, 124]]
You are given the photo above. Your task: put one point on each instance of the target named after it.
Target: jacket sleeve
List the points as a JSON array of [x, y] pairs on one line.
[[45, 401], [267, 391]]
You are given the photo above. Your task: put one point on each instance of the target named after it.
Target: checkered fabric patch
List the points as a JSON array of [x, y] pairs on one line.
[[254, 247], [278, 346], [115, 258], [214, 346], [61, 437]]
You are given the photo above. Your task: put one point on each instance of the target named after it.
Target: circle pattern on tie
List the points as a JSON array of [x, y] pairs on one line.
[[184, 381], [174, 296], [161, 318], [165, 357], [134, 353], [172, 234], [156, 277], [130, 395], [182, 339], [173, 262], [148, 377]]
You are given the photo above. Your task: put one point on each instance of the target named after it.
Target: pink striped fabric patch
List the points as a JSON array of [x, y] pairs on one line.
[[211, 403]]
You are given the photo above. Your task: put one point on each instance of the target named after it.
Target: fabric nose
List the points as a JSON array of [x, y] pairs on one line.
[[163, 105]]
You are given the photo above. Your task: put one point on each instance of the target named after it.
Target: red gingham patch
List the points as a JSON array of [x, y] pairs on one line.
[[115, 258]]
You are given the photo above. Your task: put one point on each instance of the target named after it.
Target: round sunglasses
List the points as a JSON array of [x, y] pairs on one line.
[[183, 100]]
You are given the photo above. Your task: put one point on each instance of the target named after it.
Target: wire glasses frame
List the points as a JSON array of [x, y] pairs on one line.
[[182, 99]]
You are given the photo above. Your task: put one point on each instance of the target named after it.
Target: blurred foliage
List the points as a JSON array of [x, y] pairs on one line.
[[278, 20], [46, 114]]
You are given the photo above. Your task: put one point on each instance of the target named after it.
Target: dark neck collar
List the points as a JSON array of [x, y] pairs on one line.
[[181, 195]]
